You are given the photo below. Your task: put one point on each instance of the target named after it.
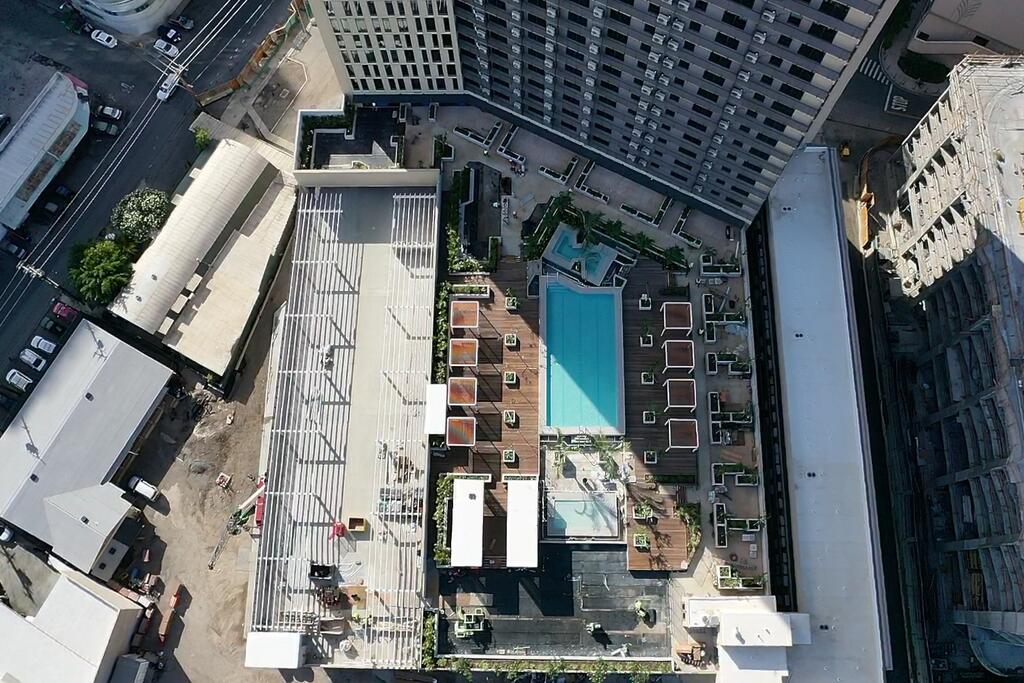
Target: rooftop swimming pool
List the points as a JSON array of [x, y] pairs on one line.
[[594, 260], [583, 515], [582, 358]]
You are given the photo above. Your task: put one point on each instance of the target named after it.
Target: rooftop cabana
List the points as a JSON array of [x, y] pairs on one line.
[[465, 314], [467, 522], [461, 431], [462, 391], [681, 393], [462, 353], [522, 522], [677, 315], [678, 354], [682, 434]]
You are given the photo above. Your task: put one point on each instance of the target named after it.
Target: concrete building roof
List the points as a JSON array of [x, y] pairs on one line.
[[37, 146], [468, 523], [76, 636], [833, 525], [69, 438], [198, 284]]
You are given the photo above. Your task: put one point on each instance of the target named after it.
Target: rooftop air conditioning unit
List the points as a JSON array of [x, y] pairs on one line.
[[724, 124], [684, 5], [517, 92], [730, 109], [589, 80], [595, 31], [660, 96], [550, 30], [549, 63], [642, 162], [646, 152], [656, 111], [585, 123], [658, 39], [760, 37], [673, 45], [478, 15], [517, 105], [630, 157], [713, 152], [653, 125], [583, 135], [517, 15], [480, 32], [664, 80], [640, 118], [592, 65], [517, 49], [679, 25], [667, 63], [517, 64], [655, 57], [514, 31], [751, 57], [768, 16], [643, 105], [516, 78], [549, 79], [702, 177], [698, 188], [718, 138], [743, 75], [594, 49], [707, 165], [646, 89], [598, 11], [588, 96], [637, 132], [663, 19], [633, 144], [549, 47], [648, 138], [547, 105], [552, 12], [485, 77], [736, 93], [650, 73], [586, 110], [548, 93], [547, 118]]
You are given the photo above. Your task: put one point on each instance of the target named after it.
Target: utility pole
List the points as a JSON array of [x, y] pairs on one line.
[[37, 273]]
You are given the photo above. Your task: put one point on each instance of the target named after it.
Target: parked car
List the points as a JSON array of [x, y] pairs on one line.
[[43, 344], [168, 33], [52, 208], [104, 38], [64, 312], [13, 249], [105, 128], [166, 49], [6, 534], [167, 87], [52, 326], [108, 112], [143, 488], [18, 380], [182, 22], [64, 192], [32, 359]]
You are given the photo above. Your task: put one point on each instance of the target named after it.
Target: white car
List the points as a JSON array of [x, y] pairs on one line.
[[32, 359], [6, 534], [143, 488], [18, 380], [167, 87], [43, 344], [104, 38], [167, 49]]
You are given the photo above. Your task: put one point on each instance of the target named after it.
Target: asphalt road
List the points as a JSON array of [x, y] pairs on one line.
[[154, 147]]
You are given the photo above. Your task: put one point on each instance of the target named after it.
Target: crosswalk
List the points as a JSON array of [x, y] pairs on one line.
[[872, 69]]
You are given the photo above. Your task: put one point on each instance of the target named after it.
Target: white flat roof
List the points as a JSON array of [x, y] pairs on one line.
[[71, 435], [54, 646], [832, 512], [522, 523], [435, 418], [468, 523], [271, 650]]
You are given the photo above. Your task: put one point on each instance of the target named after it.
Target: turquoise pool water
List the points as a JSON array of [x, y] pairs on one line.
[[567, 248], [594, 516], [581, 337]]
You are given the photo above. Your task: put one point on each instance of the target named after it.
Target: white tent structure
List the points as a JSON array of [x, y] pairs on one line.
[[522, 521], [468, 523]]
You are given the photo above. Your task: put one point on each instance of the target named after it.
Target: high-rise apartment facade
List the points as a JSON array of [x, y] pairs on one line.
[[956, 242], [709, 98]]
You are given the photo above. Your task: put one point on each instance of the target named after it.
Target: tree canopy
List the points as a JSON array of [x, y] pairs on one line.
[[140, 214], [100, 270]]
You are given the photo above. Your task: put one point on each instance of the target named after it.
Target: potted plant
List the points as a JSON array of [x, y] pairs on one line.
[[642, 511], [650, 415], [511, 300], [645, 302], [646, 338], [511, 340], [650, 457], [509, 378], [648, 376], [508, 456], [642, 541], [509, 417]]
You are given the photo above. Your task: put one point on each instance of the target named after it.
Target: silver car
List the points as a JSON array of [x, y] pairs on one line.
[[18, 380], [32, 359]]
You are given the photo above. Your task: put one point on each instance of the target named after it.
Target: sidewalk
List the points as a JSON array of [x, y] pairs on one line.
[[888, 58]]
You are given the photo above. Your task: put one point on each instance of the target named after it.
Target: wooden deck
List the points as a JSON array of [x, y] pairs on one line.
[[494, 397], [668, 534], [649, 276]]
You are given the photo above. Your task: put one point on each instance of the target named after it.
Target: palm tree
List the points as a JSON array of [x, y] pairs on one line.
[[614, 228], [589, 222], [643, 241], [674, 256]]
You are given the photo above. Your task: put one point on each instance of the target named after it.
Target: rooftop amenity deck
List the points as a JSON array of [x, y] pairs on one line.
[[495, 396], [649, 277], [651, 513]]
